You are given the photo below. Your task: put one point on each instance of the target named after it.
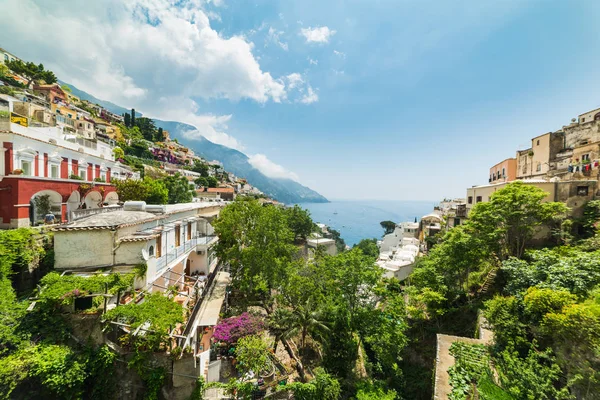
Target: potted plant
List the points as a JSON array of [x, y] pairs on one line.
[[17, 171]]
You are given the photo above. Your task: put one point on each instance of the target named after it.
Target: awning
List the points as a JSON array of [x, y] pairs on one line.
[[209, 313]]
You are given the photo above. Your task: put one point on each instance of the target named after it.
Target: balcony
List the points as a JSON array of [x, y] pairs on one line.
[[185, 248], [60, 119]]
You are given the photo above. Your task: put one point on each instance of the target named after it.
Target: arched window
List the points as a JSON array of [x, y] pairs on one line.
[[151, 251]]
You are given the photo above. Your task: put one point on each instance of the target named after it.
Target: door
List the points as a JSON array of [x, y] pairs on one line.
[[159, 245]]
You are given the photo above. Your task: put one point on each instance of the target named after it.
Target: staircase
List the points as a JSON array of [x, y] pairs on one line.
[[489, 280]]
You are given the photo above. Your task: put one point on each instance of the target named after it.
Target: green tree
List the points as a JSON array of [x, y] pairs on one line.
[[3, 70], [201, 168], [149, 190], [179, 188], [118, 153], [388, 226], [160, 136], [368, 247], [252, 354], [512, 216], [66, 88], [133, 121], [257, 244], [32, 72], [147, 128], [127, 120], [201, 181], [299, 221], [212, 182]]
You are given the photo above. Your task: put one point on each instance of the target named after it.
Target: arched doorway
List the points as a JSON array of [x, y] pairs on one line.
[[73, 202], [93, 200], [111, 198], [43, 203]]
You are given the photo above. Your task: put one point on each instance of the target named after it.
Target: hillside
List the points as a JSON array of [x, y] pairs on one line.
[[284, 190]]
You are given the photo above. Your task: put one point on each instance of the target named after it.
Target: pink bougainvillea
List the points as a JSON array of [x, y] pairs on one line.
[[230, 330]]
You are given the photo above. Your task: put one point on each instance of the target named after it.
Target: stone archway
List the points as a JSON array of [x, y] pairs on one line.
[[93, 199], [39, 207], [73, 202], [111, 198]]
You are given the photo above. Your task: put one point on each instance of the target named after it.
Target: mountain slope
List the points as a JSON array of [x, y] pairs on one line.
[[284, 190]]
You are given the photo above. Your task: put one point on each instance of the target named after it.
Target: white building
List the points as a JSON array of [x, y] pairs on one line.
[[174, 242]]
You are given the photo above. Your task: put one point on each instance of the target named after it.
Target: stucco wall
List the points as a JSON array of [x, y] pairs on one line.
[[77, 249], [130, 253], [576, 133]]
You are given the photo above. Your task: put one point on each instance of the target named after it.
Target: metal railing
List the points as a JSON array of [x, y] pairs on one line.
[[78, 214], [182, 249], [202, 296]]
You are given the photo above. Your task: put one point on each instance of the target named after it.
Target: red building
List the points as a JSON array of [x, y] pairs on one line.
[[45, 171]]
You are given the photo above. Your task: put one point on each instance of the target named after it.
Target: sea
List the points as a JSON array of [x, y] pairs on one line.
[[359, 219]]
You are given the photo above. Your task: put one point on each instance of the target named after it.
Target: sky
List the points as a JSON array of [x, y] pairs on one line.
[[357, 99]]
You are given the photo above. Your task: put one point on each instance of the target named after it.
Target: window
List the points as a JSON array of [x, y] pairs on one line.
[[82, 174], [151, 251], [103, 176], [538, 142], [456, 221], [26, 167], [504, 172], [538, 167], [583, 119], [478, 199], [54, 171], [582, 190], [177, 236], [585, 157], [470, 200]]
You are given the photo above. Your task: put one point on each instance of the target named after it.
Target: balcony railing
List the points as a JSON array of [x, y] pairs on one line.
[[84, 142], [179, 251], [65, 120]]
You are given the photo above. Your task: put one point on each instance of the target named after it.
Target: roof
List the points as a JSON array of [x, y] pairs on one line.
[[432, 215], [221, 190], [108, 220]]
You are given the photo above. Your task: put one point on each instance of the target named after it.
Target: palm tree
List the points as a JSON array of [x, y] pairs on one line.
[[308, 320]]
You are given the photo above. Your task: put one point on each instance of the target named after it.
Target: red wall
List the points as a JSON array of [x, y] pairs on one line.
[[64, 168], [22, 189]]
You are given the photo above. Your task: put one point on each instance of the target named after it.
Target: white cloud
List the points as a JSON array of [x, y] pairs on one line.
[[154, 55], [320, 34], [310, 97], [339, 54], [312, 62], [139, 49], [274, 36], [294, 80], [269, 168]]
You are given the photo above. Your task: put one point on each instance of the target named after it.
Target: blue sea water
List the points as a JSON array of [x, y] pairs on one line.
[[356, 220]]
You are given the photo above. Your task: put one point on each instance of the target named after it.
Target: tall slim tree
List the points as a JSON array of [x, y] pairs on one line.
[[127, 120], [133, 117]]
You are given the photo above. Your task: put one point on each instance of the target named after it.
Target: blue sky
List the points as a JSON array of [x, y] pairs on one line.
[[356, 99]]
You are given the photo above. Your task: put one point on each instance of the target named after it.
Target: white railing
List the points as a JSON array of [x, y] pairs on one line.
[[78, 214], [187, 246]]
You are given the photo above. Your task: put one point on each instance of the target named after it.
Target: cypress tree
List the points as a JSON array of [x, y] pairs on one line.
[[133, 117], [127, 120]]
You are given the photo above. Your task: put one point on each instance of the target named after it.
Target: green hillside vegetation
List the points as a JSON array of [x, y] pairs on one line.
[[540, 297]]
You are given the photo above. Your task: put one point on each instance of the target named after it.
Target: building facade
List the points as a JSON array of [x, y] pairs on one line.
[[504, 171], [41, 160]]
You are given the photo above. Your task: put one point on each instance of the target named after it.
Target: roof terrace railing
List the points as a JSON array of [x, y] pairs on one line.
[[78, 214]]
